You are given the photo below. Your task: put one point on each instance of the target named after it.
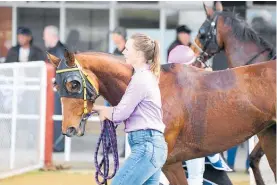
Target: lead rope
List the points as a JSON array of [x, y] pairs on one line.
[[109, 142]]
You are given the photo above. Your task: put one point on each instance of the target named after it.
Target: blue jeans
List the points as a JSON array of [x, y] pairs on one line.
[[231, 156], [148, 155], [106, 103]]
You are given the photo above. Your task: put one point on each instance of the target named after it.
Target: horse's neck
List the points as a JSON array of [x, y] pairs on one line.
[[240, 53], [113, 76]]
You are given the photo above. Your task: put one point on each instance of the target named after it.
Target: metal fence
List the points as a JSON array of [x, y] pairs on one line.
[[22, 117]]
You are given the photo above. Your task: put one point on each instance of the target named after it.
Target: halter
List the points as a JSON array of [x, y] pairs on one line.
[[209, 39], [84, 77]]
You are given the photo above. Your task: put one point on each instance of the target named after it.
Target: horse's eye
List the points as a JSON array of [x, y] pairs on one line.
[[75, 85], [202, 33]]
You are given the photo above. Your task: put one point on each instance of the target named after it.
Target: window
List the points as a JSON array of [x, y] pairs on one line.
[[138, 18], [87, 30], [264, 2]]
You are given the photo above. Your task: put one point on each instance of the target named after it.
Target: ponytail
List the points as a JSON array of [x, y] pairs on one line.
[[155, 65]]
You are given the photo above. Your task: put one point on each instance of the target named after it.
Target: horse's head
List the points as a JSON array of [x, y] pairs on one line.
[[78, 89], [207, 42]]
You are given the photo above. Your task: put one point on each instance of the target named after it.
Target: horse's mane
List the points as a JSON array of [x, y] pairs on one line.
[[243, 31]]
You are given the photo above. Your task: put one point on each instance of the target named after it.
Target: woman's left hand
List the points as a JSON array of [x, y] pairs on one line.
[[103, 114]]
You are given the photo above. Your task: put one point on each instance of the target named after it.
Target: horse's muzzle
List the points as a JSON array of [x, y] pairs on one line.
[[80, 131], [71, 131]]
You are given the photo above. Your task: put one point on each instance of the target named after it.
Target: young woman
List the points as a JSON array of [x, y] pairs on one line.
[[141, 110]]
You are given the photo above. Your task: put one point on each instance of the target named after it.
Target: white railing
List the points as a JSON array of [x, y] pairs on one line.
[[22, 117], [67, 143]]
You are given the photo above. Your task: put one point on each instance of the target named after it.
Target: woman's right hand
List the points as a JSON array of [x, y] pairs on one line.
[[97, 108], [103, 112]]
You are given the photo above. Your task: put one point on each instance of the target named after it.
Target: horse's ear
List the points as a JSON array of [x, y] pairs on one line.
[[209, 11], [69, 57], [218, 6], [53, 59]]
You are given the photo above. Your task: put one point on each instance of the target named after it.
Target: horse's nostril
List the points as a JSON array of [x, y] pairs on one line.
[[71, 131]]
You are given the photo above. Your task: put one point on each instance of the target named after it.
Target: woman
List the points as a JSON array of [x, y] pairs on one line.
[[141, 110]]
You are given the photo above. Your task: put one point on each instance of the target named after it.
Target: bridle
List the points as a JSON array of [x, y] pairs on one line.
[[88, 90], [208, 39]]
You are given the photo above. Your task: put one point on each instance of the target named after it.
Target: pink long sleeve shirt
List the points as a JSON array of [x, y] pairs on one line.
[[140, 107]]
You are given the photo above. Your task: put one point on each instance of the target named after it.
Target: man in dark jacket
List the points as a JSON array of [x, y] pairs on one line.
[[52, 41], [25, 51], [119, 38], [183, 37], [56, 48]]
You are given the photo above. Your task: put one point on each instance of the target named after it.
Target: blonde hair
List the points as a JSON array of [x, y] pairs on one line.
[[151, 51]]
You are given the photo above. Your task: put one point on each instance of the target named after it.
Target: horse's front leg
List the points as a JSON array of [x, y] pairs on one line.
[[254, 160], [175, 174], [267, 138]]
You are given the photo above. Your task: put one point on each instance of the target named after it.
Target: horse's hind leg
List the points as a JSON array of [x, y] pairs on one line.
[[254, 159], [267, 138], [175, 174]]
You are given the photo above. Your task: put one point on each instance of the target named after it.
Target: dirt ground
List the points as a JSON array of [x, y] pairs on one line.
[[51, 178], [81, 177]]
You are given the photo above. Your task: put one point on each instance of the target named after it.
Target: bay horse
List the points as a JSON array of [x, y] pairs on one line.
[[243, 46], [201, 109]]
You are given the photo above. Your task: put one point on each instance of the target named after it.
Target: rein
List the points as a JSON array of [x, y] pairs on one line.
[[211, 39], [257, 55], [109, 143]]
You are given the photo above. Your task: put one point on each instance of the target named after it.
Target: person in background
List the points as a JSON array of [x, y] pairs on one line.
[[119, 36], [56, 48], [181, 54], [183, 37], [24, 51], [231, 157], [52, 41], [184, 55]]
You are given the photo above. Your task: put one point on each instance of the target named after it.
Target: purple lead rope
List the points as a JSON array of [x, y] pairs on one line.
[[109, 143]]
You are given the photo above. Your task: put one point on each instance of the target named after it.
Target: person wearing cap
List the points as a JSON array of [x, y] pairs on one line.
[[181, 54], [119, 36], [184, 55], [24, 51], [183, 37]]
